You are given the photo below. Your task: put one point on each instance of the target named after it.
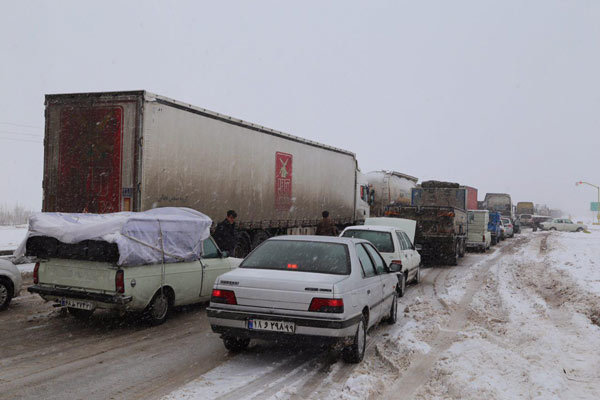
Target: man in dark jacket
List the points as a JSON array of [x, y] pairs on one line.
[[326, 227], [225, 233]]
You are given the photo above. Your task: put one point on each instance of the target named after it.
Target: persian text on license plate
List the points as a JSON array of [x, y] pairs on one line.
[[82, 305], [275, 326]]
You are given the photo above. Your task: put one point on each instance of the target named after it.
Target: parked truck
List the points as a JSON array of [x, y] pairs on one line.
[[133, 151], [471, 198], [388, 187], [500, 202], [525, 207], [439, 209]]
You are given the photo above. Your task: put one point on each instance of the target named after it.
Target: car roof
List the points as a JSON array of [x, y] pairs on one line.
[[373, 228], [323, 239]]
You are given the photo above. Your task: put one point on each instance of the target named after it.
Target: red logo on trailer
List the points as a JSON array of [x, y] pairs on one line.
[[283, 181]]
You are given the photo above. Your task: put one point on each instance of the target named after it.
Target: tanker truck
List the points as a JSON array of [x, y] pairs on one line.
[[134, 150], [388, 187]]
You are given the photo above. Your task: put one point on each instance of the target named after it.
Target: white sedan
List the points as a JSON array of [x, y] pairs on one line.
[[305, 287], [563, 224], [10, 283], [395, 243]]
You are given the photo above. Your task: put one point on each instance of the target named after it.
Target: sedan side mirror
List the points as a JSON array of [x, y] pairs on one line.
[[394, 267], [224, 254]]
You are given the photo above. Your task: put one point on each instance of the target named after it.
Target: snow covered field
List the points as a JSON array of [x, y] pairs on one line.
[[11, 236], [522, 322]]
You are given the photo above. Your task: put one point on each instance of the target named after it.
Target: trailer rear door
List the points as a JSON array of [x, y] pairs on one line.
[[89, 167]]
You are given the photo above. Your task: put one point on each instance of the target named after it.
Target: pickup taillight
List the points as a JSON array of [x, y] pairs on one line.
[[36, 272], [120, 281], [326, 305], [223, 297]]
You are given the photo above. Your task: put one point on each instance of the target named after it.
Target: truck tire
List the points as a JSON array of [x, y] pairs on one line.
[[354, 353], [6, 293], [236, 344], [462, 249], [82, 315], [258, 237], [159, 307], [454, 258], [243, 245]]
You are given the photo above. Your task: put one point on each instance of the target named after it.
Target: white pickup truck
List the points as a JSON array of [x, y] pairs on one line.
[[144, 269]]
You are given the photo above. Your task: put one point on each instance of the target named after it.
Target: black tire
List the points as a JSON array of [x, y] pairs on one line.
[[401, 288], [6, 293], [417, 278], [552, 229], [454, 258], [159, 308], [392, 318], [462, 250], [579, 229], [355, 353], [494, 241], [243, 245], [258, 237], [236, 344], [80, 314]]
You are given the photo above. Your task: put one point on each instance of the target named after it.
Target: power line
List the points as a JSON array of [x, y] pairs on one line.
[[21, 125]]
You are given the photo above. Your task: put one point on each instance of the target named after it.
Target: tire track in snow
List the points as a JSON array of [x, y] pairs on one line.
[[419, 372]]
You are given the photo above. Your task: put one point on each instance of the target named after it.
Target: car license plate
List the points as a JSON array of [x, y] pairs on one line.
[[82, 305], [274, 326]]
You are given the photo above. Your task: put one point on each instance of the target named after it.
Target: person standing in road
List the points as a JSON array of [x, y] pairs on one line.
[[225, 233], [326, 227]]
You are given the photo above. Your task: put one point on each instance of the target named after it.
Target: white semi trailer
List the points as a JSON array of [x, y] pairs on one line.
[[121, 151]]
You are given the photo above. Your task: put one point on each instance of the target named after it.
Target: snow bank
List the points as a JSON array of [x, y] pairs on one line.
[[11, 236]]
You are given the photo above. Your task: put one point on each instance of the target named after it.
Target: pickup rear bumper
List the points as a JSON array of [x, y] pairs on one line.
[[76, 294]]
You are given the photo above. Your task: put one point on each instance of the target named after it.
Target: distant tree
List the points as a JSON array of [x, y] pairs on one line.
[[16, 215]]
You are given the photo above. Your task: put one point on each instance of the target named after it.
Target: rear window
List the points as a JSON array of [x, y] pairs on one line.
[[301, 256], [381, 240], [505, 221]]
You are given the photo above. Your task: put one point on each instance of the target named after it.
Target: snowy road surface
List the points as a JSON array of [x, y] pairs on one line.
[[519, 322]]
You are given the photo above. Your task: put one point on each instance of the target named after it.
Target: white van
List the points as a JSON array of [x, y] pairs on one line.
[[478, 235]]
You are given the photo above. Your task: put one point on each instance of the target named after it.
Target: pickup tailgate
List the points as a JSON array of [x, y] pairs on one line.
[[77, 274]]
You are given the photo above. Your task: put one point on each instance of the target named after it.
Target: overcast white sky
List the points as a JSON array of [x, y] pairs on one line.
[[500, 95]]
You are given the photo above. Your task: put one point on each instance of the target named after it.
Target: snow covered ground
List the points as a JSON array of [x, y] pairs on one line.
[[521, 322], [11, 236]]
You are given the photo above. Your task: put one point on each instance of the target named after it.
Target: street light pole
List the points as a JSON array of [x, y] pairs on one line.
[[597, 188]]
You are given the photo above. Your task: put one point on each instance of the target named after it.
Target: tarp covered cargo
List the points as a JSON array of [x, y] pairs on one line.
[[136, 234]]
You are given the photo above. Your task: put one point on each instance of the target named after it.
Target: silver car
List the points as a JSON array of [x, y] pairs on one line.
[[301, 287], [10, 283]]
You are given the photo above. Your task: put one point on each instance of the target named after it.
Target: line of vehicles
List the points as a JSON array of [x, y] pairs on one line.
[[125, 154]]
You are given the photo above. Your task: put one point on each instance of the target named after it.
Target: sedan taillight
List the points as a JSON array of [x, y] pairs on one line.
[[223, 296], [326, 305], [36, 272]]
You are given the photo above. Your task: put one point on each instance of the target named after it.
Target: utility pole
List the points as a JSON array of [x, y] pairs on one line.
[[598, 189]]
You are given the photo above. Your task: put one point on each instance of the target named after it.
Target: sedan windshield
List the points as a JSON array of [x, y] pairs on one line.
[[381, 240], [300, 255]]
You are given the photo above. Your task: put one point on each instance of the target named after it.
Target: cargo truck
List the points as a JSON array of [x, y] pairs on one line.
[[439, 209], [500, 202], [388, 187], [133, 151]]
